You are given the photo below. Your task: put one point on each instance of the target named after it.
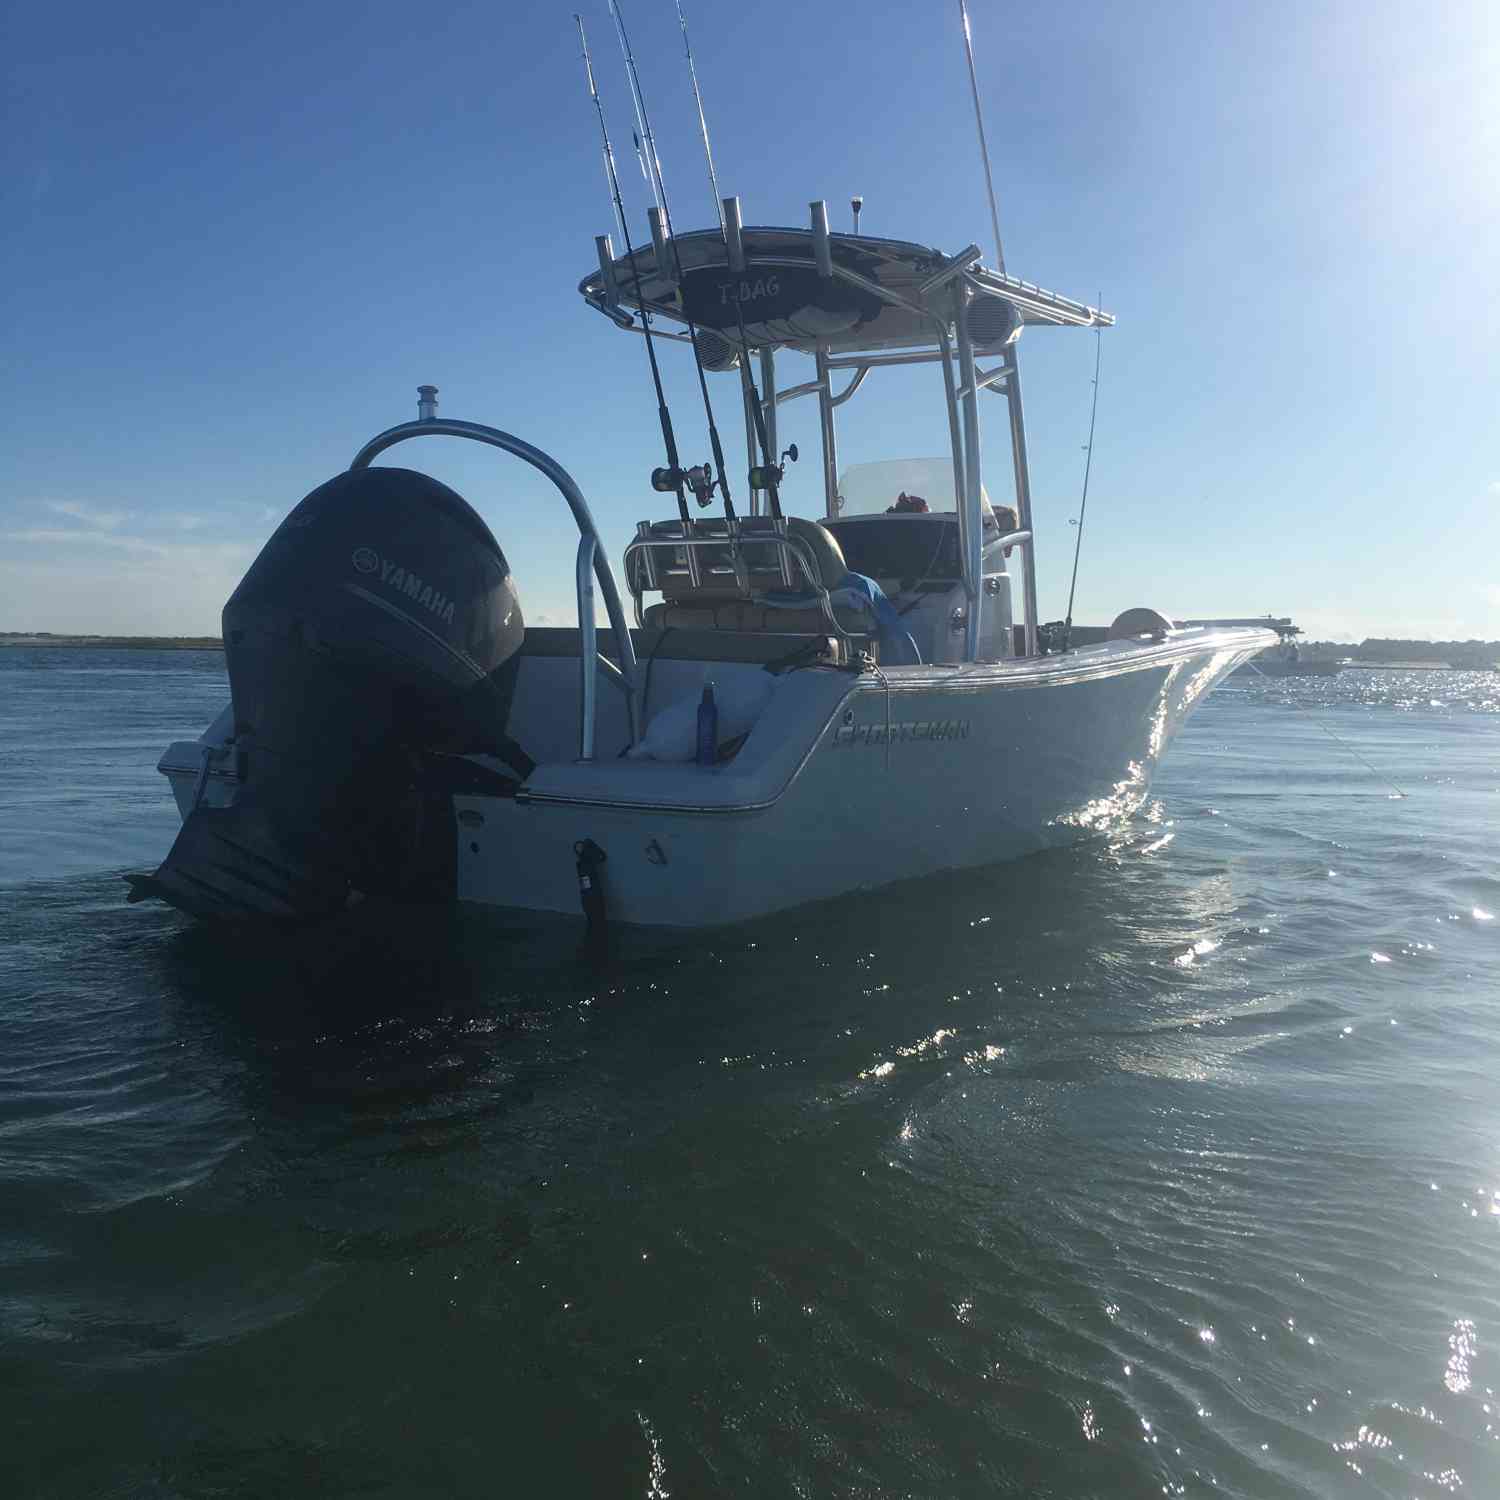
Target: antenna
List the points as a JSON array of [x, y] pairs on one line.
[[984, 150], [674, 468], [729, 227], [702, 485]]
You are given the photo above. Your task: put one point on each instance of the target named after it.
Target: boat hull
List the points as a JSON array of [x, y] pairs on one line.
[[911, 775], [848, 781]]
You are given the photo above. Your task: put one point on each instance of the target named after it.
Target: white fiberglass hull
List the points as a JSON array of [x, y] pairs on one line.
[[847, 781]]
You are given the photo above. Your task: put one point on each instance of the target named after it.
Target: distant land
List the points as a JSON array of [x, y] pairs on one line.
[[1377, 651], [113, 642]]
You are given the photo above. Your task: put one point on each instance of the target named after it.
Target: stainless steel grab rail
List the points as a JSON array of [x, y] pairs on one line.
[[1022, 539], [591, 559], [588, 646]]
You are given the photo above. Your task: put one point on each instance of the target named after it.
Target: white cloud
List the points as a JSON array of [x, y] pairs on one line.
[[56, 536], [187, 554], [90, 515]]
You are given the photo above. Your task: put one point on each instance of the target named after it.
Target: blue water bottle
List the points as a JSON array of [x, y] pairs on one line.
[[708, 728]]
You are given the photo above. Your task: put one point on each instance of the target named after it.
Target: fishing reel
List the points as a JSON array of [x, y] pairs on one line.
[[699, 479], [763, 476]]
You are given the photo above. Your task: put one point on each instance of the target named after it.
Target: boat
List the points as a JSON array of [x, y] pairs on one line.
[[1275, 665], [1284, 659], [801, 706]]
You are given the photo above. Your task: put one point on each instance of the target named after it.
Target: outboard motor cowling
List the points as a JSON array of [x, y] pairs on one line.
[[379, 626]]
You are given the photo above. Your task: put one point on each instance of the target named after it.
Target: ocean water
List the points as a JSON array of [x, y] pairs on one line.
[[1166, 1165]]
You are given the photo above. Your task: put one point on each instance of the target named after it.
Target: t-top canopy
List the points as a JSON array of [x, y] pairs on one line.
[[881, 294]]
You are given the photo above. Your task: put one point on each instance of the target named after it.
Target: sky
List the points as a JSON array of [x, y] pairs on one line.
[[234, 239]]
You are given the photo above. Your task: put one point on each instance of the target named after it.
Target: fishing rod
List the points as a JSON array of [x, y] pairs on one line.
[[672, 477], [713, 177], [702, 489], [769, 471], [650, 162], [1088, 464]]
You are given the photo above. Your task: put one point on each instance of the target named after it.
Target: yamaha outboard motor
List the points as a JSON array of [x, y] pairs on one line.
[[376, 635]]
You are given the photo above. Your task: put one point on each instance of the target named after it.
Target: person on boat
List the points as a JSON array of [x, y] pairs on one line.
[[897, 648], [996, 517]]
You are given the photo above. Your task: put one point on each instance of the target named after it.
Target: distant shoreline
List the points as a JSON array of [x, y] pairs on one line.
[[1410, 666], [116, 642], [215, 643]]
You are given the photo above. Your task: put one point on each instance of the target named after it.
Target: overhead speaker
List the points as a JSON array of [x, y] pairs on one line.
[[715, 352], [993, 322]]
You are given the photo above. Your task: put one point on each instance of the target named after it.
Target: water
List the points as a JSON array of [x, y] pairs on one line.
[[1168, 1165]]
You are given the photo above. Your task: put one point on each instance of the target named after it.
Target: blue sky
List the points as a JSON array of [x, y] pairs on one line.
[[234, 239]]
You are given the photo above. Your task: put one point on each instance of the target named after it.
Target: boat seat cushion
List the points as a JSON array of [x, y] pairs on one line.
[[747, 615], [670, 644], [824, 546]]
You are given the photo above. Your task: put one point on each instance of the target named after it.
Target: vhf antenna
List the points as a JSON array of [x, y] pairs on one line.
[[769, 469], [984, 150], [701, 485], [673, 472]]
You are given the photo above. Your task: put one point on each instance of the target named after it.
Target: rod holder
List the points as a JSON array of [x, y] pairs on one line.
[[856, 203], [822, 252], [658, 238], [733, 239], [607, 268], [427, 403], [968, 256]]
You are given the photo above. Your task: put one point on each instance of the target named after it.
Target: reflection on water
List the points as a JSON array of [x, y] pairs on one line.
[[1123, 1170], [1109, 811], [1409, 692], [1172, 705]]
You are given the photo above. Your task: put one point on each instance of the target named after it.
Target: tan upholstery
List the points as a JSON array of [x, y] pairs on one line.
[[745, 615], [736, 600], [760, 565], [674, 644]]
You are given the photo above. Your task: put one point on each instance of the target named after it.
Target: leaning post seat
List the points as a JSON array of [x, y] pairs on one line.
[[917, 550], [763, 586]]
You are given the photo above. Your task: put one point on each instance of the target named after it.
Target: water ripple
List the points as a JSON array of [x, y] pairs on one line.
[[1148, 1167]]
